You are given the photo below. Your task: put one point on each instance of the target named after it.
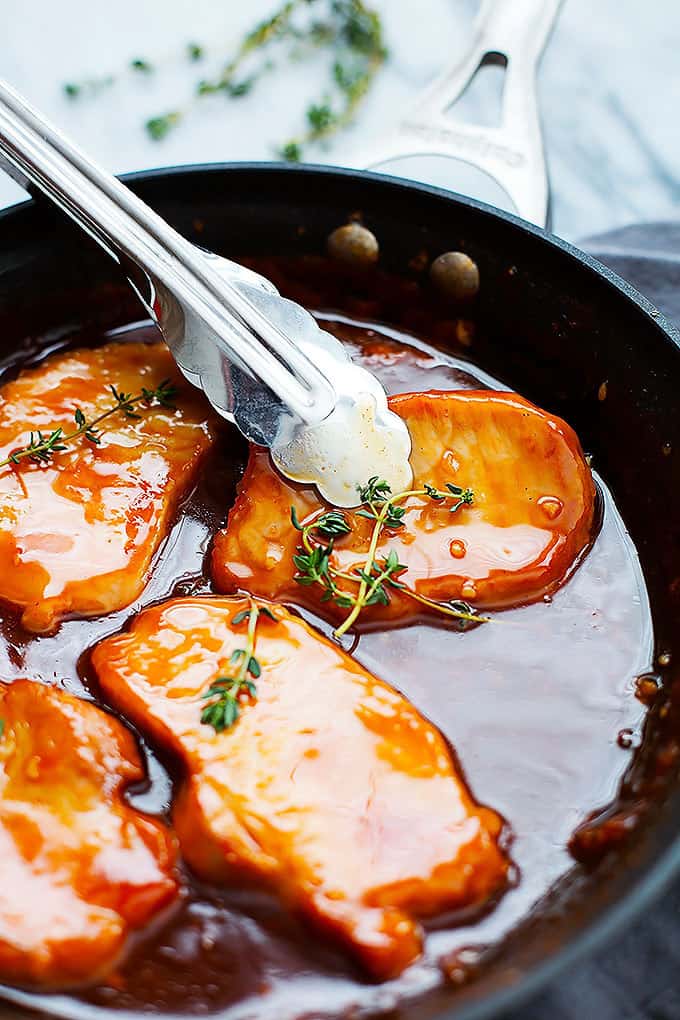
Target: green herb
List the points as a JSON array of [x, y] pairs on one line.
[[141, 65], [158, 127], [372, 583], [291, 152], [225, 693], [374, 496], [332, 524], [355, 33], [349, 30], [319, 118], [2, 727], [240, 88], [41, 447], [89, 88]]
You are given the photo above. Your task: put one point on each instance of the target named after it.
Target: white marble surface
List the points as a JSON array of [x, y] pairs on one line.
[[609, 89]]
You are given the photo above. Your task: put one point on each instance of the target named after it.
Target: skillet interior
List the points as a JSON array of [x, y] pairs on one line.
[[552, 327]]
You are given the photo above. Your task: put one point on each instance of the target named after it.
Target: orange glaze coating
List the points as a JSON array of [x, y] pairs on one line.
[[532, 515], [77, 534], [80, 869], [331, 789]]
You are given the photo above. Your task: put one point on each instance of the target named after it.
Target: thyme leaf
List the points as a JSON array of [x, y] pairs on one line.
[[144, 66], [291, 152], [158, 127], [41, 447], [88, 88], [225, 694], [350, 32], [371, 584]]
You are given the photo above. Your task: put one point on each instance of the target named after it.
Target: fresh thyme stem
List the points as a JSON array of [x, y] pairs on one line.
[[350, 31], [446, 609], [323, 120], [267, 31], [223, 708], [366, 590], [370, 556], [374, 579], [41, 448]]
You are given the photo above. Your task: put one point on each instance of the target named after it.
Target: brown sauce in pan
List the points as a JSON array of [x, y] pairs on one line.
[[534, 705]]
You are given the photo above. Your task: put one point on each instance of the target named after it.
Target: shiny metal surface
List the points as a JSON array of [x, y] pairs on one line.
[[193, 296], [512, 33], [262, 360]]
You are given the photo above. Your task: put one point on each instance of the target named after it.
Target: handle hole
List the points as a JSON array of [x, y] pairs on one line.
[[481, 101]]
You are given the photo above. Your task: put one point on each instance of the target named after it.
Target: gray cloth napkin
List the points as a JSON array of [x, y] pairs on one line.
[[648, 256], [636, 977]]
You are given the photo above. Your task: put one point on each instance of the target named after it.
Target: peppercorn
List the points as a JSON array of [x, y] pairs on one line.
[[455, 275], [354, 245]]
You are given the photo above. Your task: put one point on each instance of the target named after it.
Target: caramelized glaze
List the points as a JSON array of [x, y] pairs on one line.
[[77, 533], [531, 518], [533, 705], [330, 788], [81, 869]]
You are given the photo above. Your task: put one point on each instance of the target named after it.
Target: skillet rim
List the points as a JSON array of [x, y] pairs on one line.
[[645, 888]]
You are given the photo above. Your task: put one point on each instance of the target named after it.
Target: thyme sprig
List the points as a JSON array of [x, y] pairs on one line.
[[273, 29], [361, 53], [372, 583], [349, 30], [41, 447], [225, 694]]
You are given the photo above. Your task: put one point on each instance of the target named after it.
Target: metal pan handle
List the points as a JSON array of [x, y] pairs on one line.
[[512, 33]]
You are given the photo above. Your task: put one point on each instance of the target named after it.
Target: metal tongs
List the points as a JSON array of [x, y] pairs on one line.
[[262, 360]]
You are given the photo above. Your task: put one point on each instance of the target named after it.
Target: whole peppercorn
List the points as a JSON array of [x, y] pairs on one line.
[[455, 275], [354, 245]]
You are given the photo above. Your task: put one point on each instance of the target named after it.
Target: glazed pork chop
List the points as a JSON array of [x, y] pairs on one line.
[[80, 868], [78, 530], [531, 518], [330, 788]]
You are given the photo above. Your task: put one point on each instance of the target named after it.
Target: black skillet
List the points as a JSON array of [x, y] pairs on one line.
[[552, 324]]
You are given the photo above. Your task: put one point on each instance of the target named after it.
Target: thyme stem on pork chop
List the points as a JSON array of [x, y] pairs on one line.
[[225, 693], [372, 583], [41, 447]]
